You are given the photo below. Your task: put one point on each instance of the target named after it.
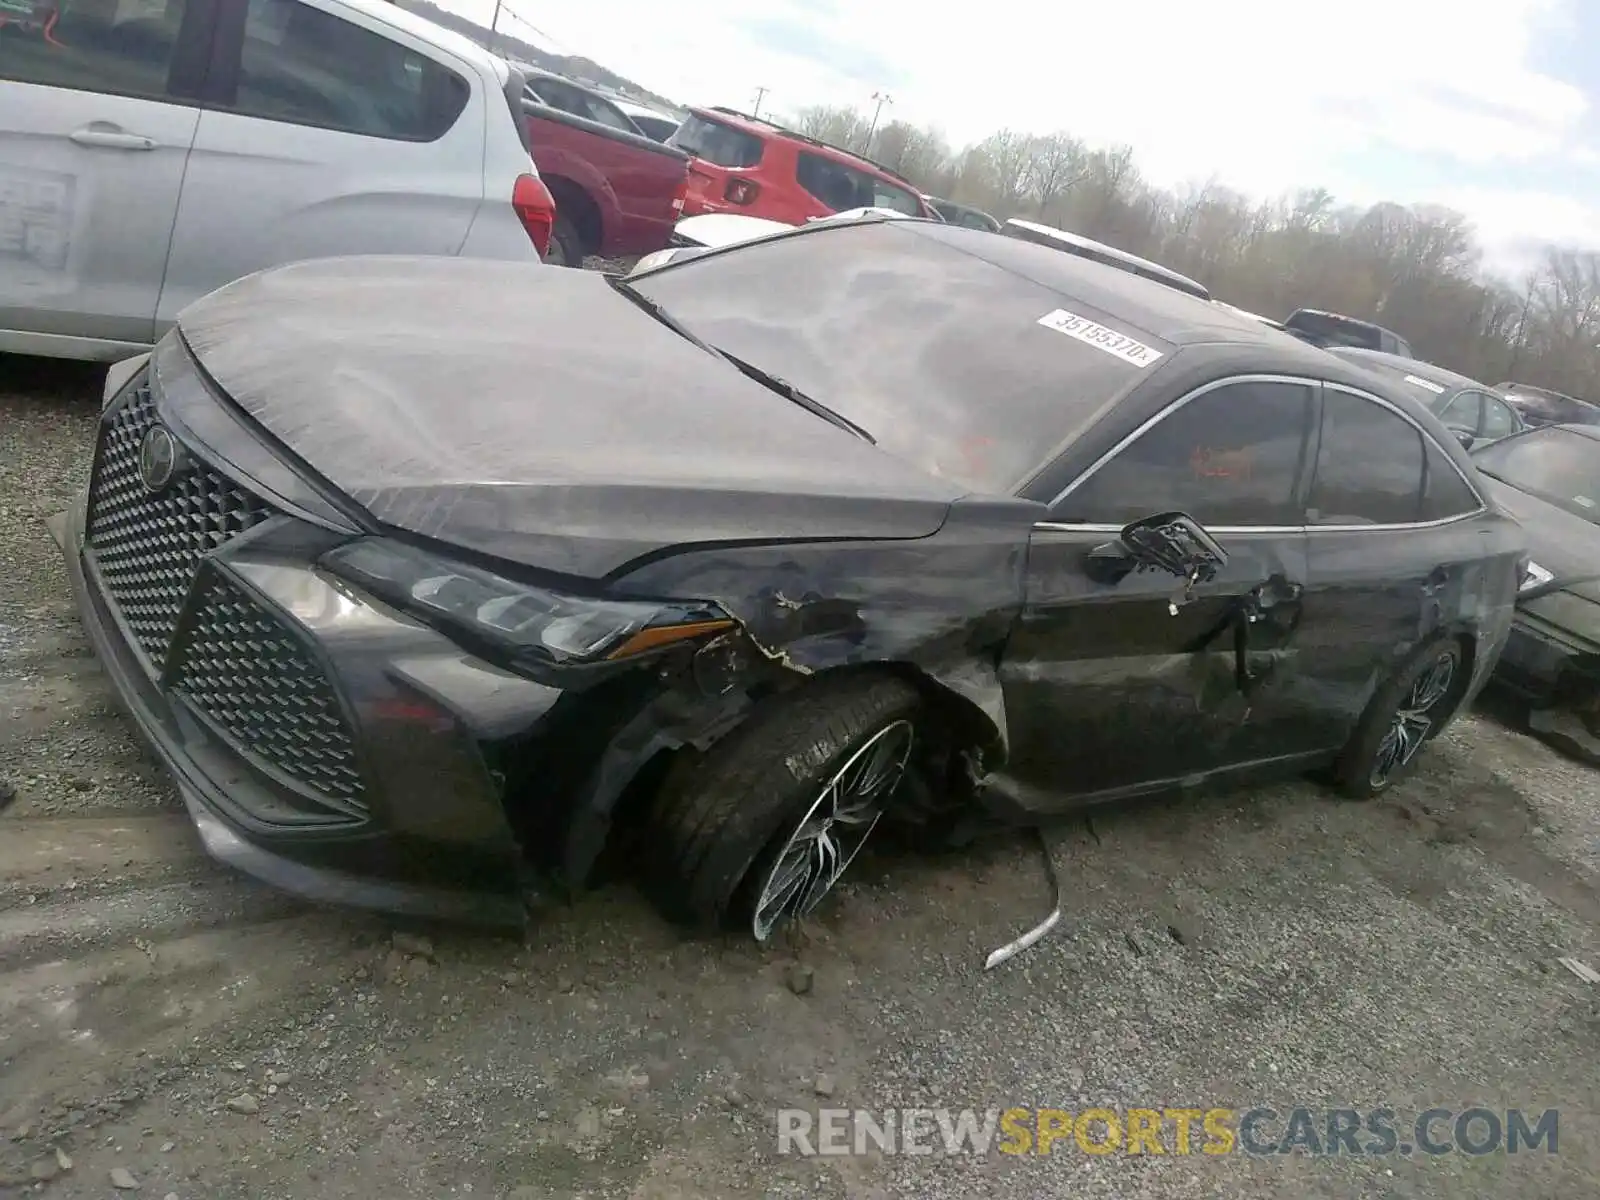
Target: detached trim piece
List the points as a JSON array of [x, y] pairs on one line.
[[1040, 931]]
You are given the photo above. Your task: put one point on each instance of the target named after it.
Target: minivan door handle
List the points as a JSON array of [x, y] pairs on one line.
[[111, 137]]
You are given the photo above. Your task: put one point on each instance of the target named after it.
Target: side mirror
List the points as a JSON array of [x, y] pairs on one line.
[[1466, 439], [1173, 542]]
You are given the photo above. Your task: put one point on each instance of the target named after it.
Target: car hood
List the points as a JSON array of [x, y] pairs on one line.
[[1559, 541], [726, 229], [536, 415]]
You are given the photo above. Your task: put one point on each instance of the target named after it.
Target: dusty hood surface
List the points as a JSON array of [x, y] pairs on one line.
[[535, 414], [1559, 541]]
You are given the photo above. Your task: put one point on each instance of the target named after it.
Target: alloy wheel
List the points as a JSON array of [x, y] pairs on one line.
[[1414, 718], [833, 830]]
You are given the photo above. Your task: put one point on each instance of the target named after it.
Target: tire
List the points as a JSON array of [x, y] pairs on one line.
[[721, 829], [566, 245], [1427, 687]]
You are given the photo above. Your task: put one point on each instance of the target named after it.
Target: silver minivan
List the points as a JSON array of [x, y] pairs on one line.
[[153, 150]]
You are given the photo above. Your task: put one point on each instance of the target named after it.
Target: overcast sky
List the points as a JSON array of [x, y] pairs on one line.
[[1487, 107]]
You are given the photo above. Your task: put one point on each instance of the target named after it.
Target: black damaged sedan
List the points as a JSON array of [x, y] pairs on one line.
[[429, 579]]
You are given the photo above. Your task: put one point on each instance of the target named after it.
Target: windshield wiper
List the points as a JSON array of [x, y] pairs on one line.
[[782, 386], [655, 310], [789, 392]]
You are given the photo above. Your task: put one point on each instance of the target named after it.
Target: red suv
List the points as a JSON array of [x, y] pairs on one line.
[[745, 165]]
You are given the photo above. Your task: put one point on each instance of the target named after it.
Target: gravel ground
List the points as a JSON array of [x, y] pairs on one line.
[[168, 1024]]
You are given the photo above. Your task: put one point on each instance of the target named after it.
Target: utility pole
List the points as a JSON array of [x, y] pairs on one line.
[[494, 23], [882, 98], [761, 93]]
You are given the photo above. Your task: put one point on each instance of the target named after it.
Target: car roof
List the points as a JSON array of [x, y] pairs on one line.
[[1077, 242], [419, 27], [761, 127], [1432, 372]]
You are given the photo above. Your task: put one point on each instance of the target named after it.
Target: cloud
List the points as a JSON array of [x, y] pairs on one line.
[[1264, 96]]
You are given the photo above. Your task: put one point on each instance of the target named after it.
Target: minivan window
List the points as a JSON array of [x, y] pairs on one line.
[[303, 66], [1369, 465], [121, 48], [1228, 457], [937, 353], [720, 145]]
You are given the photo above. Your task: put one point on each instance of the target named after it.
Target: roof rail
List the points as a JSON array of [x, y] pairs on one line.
[[806, 137]]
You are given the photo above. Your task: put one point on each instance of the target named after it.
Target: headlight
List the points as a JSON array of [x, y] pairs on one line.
[[526, 620], [1533, 576]]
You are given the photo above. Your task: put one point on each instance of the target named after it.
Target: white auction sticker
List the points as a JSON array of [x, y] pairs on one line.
[[1092, 334], [1425, 384]]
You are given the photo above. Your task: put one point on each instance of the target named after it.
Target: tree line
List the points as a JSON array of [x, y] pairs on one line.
[[1416, 270]]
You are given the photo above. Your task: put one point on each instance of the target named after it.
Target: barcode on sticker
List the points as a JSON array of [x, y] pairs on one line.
[[1426, 385], [1090, 333]]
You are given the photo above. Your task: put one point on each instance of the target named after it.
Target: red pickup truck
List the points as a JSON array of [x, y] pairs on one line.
[[618, 194]]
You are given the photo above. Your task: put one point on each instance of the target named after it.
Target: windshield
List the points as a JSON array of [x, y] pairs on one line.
[[903, 331], [1556, 465]]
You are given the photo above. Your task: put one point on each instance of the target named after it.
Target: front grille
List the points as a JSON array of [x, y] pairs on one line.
[[239, 667], [229, 657], [146, 546]]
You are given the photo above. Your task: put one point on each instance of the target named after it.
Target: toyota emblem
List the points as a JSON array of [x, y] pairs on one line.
[[158, 458]]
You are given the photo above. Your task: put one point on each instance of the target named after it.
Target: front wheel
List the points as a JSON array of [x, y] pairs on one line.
[[1407, 712], [758, 833]]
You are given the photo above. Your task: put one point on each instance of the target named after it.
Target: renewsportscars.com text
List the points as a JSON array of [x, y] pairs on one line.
[[1259, 1131]]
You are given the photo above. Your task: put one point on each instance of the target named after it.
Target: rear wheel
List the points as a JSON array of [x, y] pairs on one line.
[[566, 244], [757, 833], [1406, 713]]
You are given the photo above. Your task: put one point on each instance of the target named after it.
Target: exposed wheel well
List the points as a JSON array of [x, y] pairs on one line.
[[578, 207], [957, 725]]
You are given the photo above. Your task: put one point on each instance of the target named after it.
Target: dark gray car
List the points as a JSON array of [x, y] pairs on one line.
[[1464, 405]]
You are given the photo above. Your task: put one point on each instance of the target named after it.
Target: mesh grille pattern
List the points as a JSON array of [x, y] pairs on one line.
[[148, 546], [239, 666]]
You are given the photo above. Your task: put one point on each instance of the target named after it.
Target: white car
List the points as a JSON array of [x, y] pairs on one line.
[[709, 231], [153, 152]]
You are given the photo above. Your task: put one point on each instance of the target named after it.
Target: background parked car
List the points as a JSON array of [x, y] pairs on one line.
[[1541, 406], [1465, 406], [963, 214], [149, 160], [753, 166], [570, 96], [1335, 329], [617, 192], [655, 124], [696, 235], [1548, 478]]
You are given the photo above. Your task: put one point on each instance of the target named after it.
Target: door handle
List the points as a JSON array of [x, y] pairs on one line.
[[111, 138]]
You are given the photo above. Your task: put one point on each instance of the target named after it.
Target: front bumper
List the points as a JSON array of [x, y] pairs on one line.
[[1548, 665], [321, 741]]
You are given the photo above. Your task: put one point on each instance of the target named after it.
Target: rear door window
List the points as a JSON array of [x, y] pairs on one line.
[[1229, 457], [718, 144], [1445, 494], [303, 66], [1369, 465]]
